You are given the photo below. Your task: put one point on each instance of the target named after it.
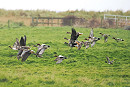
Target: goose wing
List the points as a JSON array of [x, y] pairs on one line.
[[25, 55], [19, 54], [93, 43], [59, 61], [108, 59], [22, 43], [40, 51], [25, 40], [73, 34], [105, 38], [91, 33]]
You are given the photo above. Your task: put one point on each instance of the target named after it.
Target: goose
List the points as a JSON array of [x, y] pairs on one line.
[[59, 59], [87, 43], [95, 39], [91, 36], [91, 39], [16, 45], [108, 61], [25, 54], [74, 34], [105, 36], [41, 49], [74, 37], [117, 39], [21, 49]]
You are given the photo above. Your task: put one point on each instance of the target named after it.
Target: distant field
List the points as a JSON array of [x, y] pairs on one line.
[[82, 68]]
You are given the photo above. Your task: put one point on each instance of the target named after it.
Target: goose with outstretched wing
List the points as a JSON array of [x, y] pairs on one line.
[[108, 61], [117, 39], [41, 49], [105, 36], [16, 45]]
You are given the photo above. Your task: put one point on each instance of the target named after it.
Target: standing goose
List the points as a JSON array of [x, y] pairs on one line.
[[117, 39], [41, 49], [105, 36], [108, 61], [59, 59]]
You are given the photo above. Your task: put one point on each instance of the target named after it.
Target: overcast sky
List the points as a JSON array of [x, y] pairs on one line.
[[64, 5]]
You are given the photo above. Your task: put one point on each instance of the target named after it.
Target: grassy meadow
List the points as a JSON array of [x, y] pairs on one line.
[[82, 68]]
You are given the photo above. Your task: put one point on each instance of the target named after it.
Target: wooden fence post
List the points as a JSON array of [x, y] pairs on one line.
[[116, 23], [48, 21], [8, 23], [101, 21], [52, 21]]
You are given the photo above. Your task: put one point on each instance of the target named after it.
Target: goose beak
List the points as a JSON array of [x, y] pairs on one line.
[[80, 33], [68, 32]]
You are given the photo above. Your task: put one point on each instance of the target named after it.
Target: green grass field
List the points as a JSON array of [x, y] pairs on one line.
[[82, 68]]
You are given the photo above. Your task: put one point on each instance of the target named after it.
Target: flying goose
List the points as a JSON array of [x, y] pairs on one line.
[[25, 54], [105, 36], [16, 45], [91, 39], [74, 36], [41, 49], [59, 59], [91, 36], [21, 49], [87, 43], [95, 39], [108, 61], [117, 39]]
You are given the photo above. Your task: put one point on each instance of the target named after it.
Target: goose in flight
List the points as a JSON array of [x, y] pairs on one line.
[[86, 43], [95, 39], [105, 36], [91, 39], [59, 59], [17, 45], [25, 54], [20, 51], [74, 37], [117, 39], [41, 49], [108, 61]]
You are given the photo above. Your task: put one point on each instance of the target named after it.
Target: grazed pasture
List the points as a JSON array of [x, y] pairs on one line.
[[82, 68]]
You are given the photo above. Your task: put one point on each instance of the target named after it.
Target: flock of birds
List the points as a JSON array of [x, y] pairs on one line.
[[24, 51]]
